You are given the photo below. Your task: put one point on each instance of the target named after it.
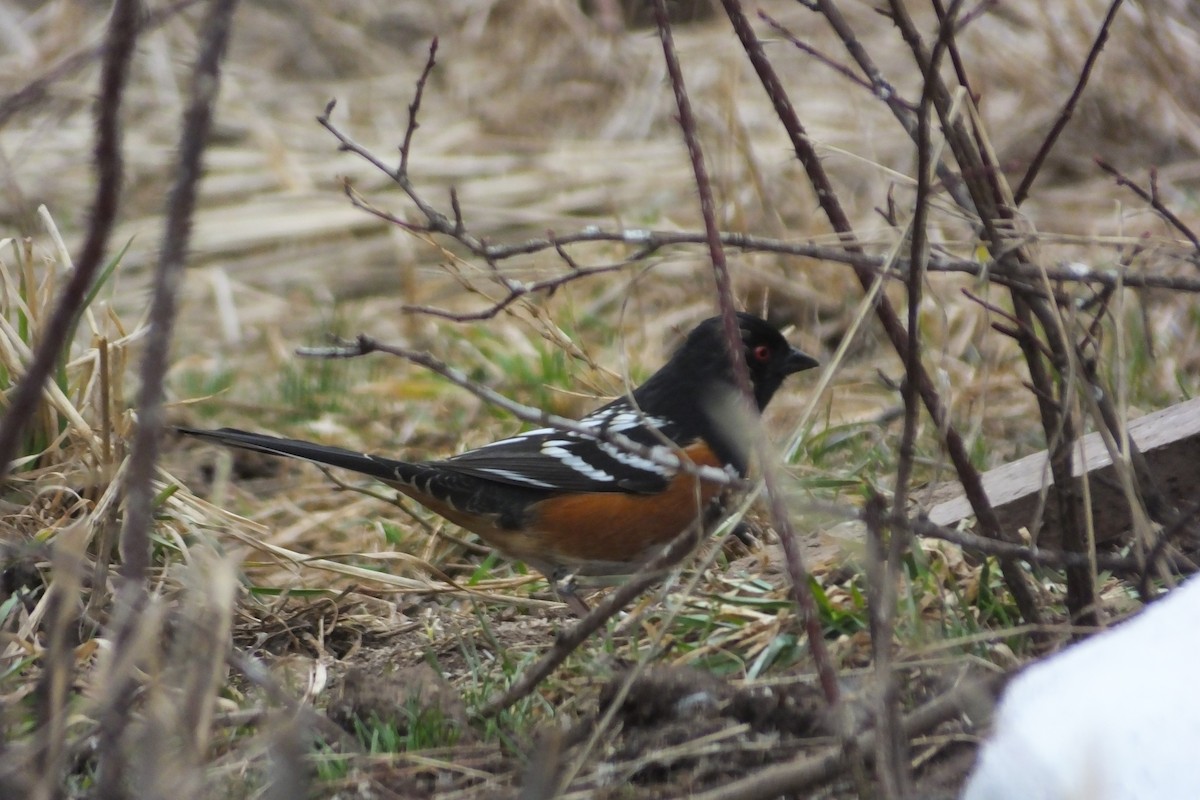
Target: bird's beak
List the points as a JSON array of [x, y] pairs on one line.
[[798, 361]]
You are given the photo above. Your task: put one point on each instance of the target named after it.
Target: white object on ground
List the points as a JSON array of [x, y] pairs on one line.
[[1116, 717]]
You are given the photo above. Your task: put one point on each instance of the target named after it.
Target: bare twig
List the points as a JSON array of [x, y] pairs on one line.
[[1034, 556], [1015, 327], [415, 106], [435, 221], [1068, 109], [1029, 302], [516, 290], [1021, 274], [885, 312], [902, 110], [891, 749], [195, 125], [841, 69], [649, 242], [135, 533], [1152, 197], [797, 572], [947, 41], [984, 181]]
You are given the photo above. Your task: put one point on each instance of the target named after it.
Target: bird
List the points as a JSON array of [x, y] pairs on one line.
[[573, 505]]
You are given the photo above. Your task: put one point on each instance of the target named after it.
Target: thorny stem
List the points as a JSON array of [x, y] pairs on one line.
[[886, 313], [797, 572], [1068, 109]]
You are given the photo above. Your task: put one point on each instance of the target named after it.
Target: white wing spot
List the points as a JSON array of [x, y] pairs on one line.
[[513, 475], [621, 418], [557, 448], [520, 437], [624, 421], [501, 442], [634, 461], [597, 419]]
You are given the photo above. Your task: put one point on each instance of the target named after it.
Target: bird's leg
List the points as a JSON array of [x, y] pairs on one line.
[[743, 531], [566, 588]]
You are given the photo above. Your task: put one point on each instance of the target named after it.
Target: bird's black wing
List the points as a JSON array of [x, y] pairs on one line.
[[557, 461]]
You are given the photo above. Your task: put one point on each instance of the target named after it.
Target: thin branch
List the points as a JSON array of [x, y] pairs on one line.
[[902, 110], [984, 181], [516, 290], [918, 257], [436, 221], [891, 749], [1034, 556], [880, 90], [650, 241], [139, 490], [797, 572], [415, 106], [947, 40], [1016, 328], [1152, 197], [1068, 109], [884, 311], [181, 201]]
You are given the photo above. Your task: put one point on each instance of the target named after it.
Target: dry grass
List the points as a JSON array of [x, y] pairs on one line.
[[558, 130]]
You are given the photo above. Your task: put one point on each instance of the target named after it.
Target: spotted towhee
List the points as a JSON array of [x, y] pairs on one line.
[[568, 504]]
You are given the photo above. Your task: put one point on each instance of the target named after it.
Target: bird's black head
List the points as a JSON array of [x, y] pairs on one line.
[[769, 357], [696, 391]]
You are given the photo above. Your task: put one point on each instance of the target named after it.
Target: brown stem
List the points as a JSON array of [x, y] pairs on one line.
[[797, 572], [1068, 109], [119, 43], [889, 321]]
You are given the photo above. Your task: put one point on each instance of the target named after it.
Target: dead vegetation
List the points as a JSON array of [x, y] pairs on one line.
[[540, 232]]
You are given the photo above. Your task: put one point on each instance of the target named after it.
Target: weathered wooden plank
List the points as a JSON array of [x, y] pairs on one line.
[[1170, 440]]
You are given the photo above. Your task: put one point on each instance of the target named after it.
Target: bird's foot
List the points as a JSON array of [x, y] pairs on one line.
[[567, 589]]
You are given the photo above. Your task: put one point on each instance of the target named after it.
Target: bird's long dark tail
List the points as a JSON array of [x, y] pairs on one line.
[[375, 466]]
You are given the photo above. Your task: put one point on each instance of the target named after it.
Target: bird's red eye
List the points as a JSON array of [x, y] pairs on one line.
[[762, 353]]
